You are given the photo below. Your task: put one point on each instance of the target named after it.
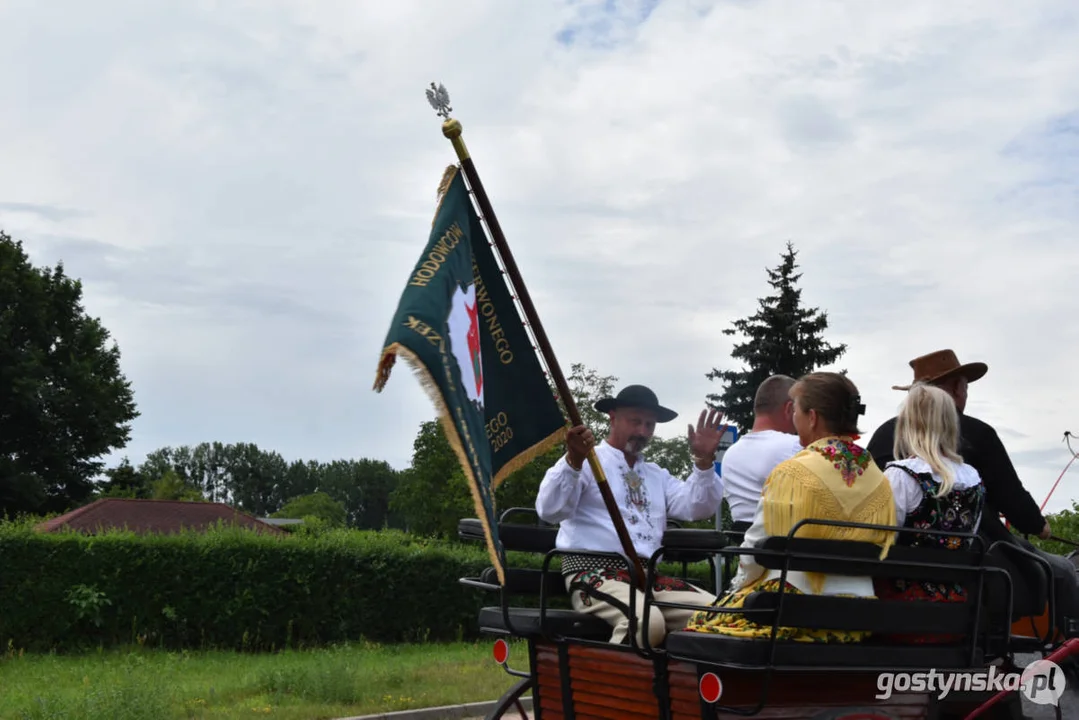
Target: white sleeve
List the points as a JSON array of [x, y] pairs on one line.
[[906, 491], [560, 491], [748, 568], [697, 498]]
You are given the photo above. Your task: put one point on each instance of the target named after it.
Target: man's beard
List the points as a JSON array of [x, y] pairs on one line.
[[635, 444]]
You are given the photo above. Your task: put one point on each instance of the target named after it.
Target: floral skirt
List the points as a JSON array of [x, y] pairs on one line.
[[740, 625]]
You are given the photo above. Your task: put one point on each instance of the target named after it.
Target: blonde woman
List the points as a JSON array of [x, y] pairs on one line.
[[933, 489]]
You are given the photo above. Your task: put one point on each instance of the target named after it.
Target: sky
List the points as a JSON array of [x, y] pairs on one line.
[[244, 188]]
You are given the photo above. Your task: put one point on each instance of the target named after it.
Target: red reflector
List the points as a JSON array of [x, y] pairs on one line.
[[711, 688], [502, 651]]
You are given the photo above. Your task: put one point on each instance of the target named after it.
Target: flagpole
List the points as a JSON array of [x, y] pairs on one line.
[[451, 128]]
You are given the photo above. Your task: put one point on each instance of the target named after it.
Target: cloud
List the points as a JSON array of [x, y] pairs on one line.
[[32, 211], [244, 191]]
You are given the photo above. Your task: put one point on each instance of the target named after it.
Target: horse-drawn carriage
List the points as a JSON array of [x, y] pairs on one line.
[[571, 670], [574, 671]]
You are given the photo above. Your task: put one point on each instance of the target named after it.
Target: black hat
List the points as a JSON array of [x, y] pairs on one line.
[[637, 396]]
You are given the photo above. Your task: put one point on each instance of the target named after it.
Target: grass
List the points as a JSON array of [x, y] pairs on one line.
[[312, 685]]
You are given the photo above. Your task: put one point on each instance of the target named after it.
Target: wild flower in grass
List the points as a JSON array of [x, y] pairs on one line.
[[195, 702], [398, 702]]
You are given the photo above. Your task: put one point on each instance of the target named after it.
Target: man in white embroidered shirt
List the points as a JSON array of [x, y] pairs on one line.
[[646, 495]]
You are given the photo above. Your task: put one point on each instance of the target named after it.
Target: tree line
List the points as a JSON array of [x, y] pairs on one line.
[[260, 482], [426, 498], [65, 403]]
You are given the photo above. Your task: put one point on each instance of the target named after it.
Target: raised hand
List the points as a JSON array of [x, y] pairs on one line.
[[704, 439], [579, 441]]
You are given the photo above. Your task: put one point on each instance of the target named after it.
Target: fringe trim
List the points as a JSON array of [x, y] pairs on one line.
[[793, 492], [443, 187], [431, 388], [385, 366], [386, 360], [526, 456]]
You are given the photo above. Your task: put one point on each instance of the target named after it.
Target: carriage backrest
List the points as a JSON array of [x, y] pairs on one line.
[[839, 557], [972, 569], [536, 538], [528, 534], [1005, 594], [846, 557]]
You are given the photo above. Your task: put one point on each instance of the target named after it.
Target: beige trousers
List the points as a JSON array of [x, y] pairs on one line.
[[606, 593]]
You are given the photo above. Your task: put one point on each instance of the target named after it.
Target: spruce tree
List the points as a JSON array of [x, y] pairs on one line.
[[782, 338]]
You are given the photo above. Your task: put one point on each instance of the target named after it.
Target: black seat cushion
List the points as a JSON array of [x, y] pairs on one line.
[[730, 651], [526, 623], [527, 581], [690, 545]]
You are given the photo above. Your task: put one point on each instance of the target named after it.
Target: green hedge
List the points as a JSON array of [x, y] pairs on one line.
[[231, 588]]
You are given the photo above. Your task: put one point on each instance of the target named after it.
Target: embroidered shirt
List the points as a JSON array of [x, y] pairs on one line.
[[646, 495], [910, 493]]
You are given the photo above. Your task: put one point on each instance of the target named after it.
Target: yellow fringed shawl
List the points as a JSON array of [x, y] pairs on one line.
[[831, 479]]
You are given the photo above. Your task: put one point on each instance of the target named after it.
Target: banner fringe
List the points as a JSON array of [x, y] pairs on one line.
[[386, 360], [526, 456], [444, 185], [385, 365], [423, 375]]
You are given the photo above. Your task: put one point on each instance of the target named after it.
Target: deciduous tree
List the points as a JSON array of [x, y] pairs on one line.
[[64, 402], [171, 486], [261, 481], [125, 481], [317, 504]]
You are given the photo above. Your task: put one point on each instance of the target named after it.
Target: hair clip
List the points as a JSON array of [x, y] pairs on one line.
[[856, 405]]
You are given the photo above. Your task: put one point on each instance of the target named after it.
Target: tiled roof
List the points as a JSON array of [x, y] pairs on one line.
[[153, 516]]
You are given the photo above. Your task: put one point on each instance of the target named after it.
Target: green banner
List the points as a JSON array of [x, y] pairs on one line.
[[458, 328]]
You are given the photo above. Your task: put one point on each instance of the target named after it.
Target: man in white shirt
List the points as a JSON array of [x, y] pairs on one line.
[[749, 461], [646, 495]]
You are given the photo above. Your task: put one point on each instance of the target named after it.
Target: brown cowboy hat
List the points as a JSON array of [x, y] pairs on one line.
[[941, 365]]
